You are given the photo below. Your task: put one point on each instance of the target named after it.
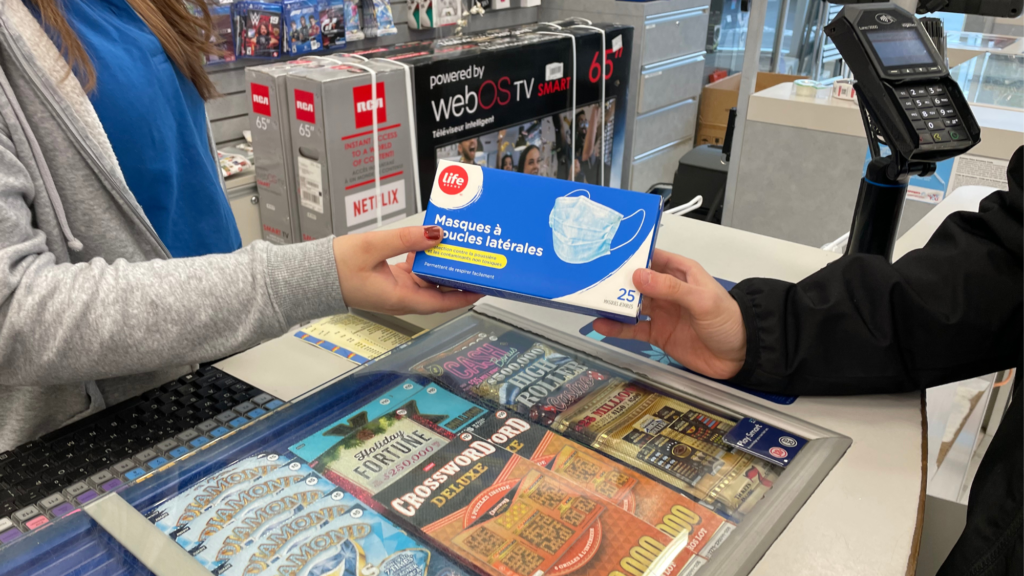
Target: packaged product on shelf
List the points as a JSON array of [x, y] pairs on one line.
[[220, 15], [384, 20], [353, 25], [424, 14], [549, 242], [505, 99], [257, 29], [332, 23], [671, 440], [333, 143], [302, 21], [369, 18], [267, 89]]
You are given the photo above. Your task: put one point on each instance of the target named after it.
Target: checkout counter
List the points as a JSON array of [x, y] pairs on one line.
[[852, 505]]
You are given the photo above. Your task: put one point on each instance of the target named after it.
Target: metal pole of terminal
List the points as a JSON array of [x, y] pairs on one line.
[[751, 62]]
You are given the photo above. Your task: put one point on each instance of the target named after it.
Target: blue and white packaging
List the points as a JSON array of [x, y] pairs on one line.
[[545, 241]]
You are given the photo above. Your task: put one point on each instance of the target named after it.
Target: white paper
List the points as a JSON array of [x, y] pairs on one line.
[[311, 191], [978, 171], [617, 43]]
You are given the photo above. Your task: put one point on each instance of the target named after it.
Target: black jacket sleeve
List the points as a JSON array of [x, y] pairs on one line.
[[946, 312]]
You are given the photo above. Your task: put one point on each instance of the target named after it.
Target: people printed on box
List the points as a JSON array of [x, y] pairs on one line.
[[467, 151], [507, 163], [950, 311], [120, 261], [529, 160]]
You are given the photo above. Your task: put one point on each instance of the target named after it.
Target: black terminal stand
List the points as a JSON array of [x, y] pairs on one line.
[[883, 190]]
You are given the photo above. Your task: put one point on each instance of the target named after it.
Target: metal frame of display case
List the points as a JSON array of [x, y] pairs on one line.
[[59, 548]]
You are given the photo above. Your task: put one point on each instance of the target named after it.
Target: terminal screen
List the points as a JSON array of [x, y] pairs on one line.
[[900, 47]]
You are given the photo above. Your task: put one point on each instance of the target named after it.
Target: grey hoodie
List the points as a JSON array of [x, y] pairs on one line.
[[92, 308]]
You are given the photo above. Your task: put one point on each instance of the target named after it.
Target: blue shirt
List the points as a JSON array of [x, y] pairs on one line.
[[156, 122]]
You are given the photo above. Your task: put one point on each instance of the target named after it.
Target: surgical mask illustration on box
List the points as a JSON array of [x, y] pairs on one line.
[[540, 240], [582, 230]]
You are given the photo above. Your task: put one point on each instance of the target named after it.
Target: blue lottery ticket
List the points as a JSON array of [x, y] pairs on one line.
[[360, 542], [233, 503], [226, 542], [187, 505], [264, 544]]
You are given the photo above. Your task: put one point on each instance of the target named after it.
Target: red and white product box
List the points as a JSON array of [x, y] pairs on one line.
[[331, 113]]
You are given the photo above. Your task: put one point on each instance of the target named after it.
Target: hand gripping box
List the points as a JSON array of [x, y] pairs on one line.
[[332, 111], [545, 241]]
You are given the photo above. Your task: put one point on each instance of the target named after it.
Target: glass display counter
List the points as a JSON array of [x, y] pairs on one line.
[[475, 448]]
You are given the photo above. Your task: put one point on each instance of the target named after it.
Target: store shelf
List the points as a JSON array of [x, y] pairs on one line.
[[229, 114]]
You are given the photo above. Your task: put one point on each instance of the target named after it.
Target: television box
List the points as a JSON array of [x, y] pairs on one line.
[[504, 98], [331, 117]]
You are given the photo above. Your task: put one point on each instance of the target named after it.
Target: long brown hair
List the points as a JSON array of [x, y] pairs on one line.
[[185, 37]]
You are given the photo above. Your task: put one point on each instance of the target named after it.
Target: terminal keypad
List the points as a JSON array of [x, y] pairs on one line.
[[931, 113]]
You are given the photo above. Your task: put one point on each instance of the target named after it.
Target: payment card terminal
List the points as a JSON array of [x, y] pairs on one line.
[[908, 102]]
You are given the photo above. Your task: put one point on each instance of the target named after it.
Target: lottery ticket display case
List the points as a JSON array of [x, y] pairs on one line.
[[488, 445]]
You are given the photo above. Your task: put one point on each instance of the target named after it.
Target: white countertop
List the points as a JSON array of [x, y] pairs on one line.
[[1002, 129], [863, 517]]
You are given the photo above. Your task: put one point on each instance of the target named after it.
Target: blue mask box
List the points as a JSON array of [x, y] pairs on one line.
[[545, 241]]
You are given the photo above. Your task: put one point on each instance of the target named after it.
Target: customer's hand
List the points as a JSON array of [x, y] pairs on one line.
[[693, 318], [368, 282]]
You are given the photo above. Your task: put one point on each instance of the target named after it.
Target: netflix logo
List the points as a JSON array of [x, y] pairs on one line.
[[365, 105], [304, 111], [260, 99]]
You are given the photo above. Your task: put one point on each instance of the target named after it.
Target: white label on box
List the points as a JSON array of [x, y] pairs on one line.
[[553, 71], [617, 43], [362, 206], [311, 189]]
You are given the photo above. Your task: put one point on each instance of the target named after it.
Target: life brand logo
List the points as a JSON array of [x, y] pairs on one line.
[[260, 99], [304, 111], [453, 180], [362, 97]]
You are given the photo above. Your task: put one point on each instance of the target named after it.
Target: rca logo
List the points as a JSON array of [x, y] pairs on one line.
[[365, 105], [453, 180], [304, 111], [260, 99]]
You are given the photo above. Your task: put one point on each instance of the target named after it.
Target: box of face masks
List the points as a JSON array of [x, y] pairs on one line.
[[545, 241]]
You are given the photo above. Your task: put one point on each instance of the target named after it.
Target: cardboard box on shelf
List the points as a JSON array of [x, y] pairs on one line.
[[718, 97], [332, 113]]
